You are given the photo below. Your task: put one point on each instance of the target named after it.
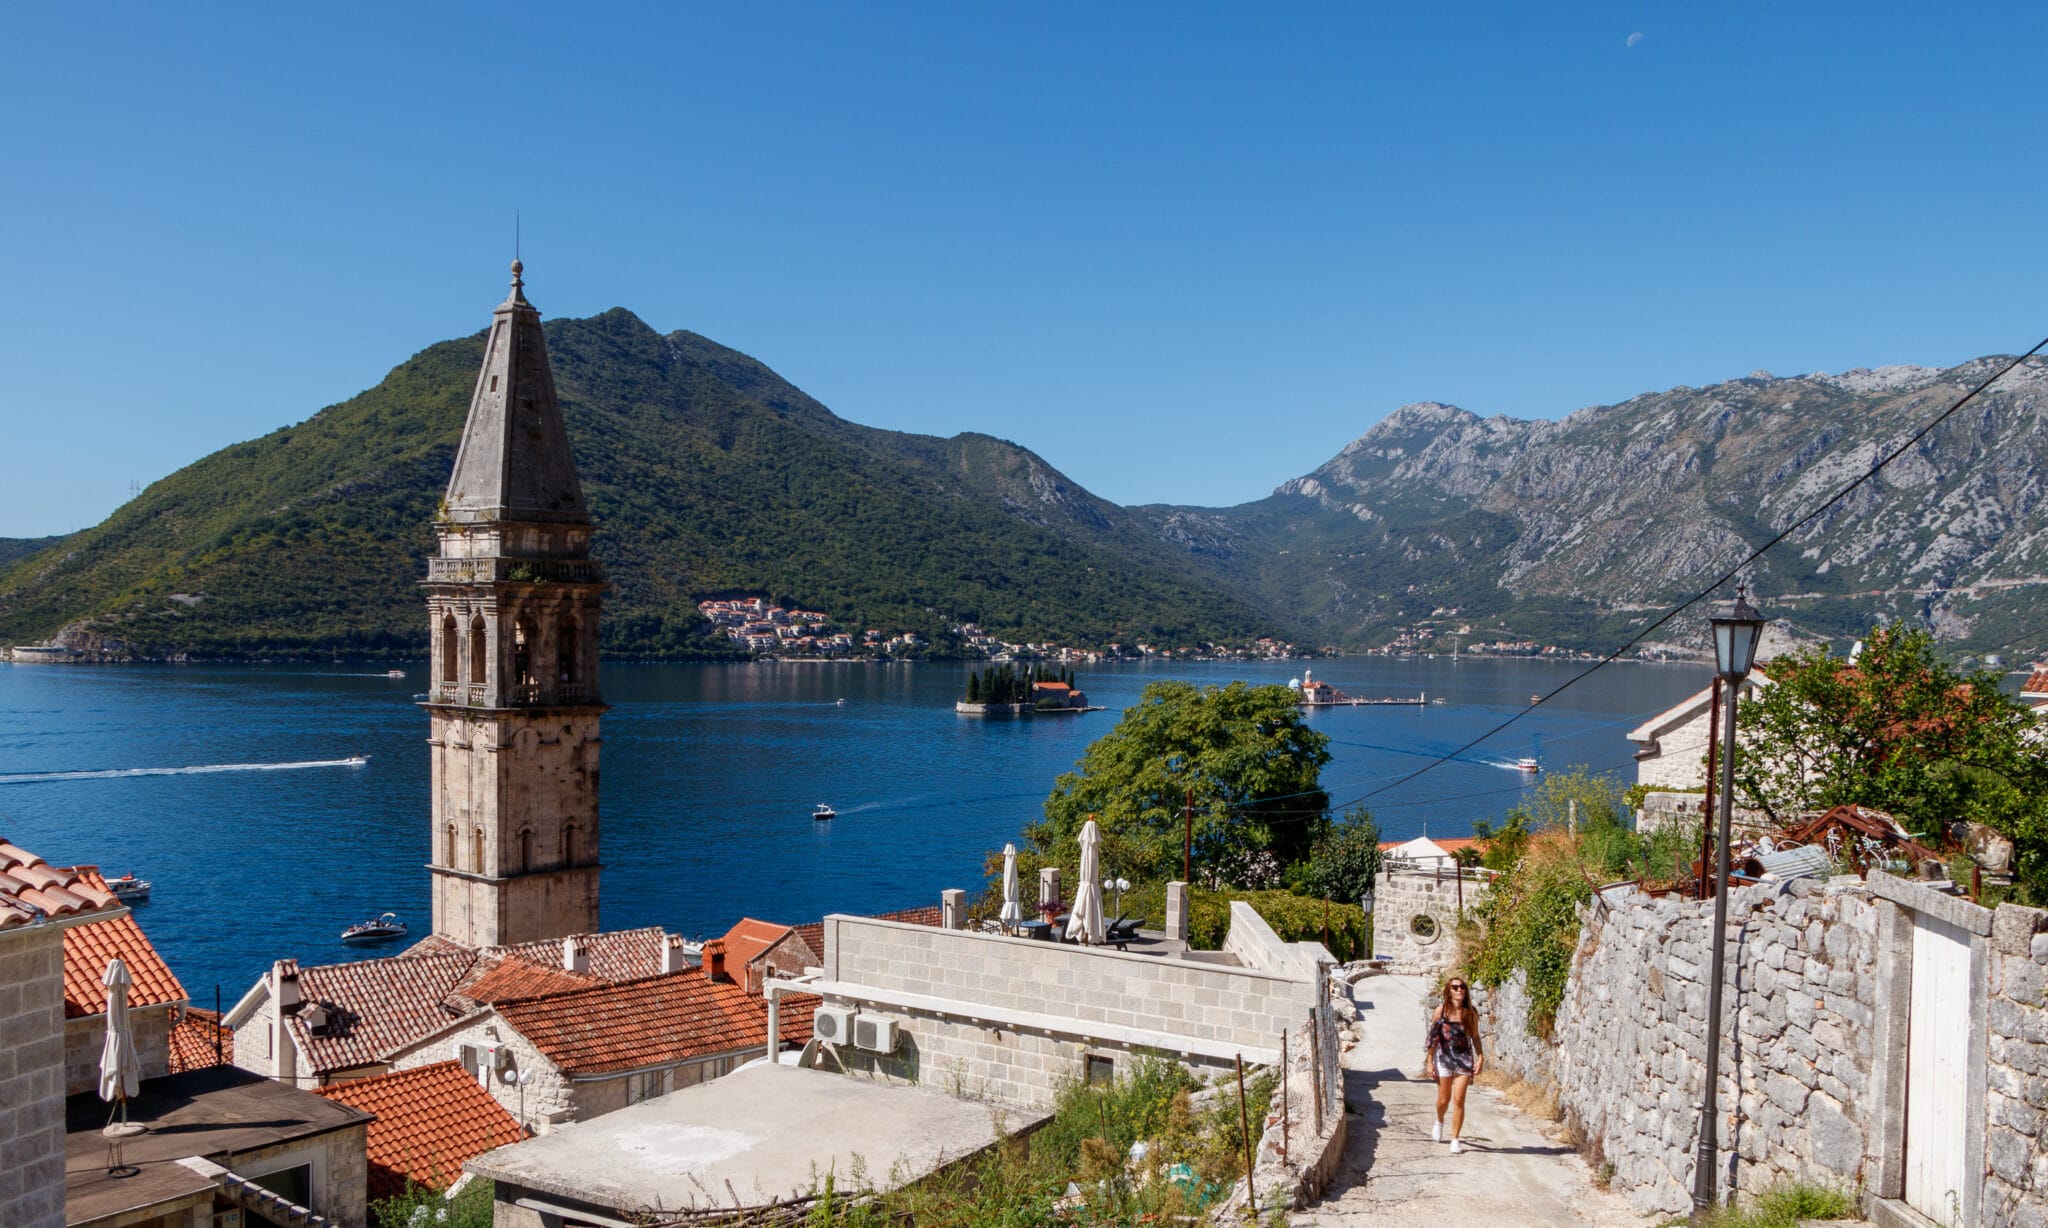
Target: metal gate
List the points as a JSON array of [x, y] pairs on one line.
[[1937, 1060]]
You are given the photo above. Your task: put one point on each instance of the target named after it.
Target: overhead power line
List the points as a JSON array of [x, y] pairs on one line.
[[1720, 580]]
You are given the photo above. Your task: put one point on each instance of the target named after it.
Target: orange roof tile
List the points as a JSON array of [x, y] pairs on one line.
[[2036, 684], [617, 955], [748, 938], [199, 1041], [31, 887], [813, 932], [87, 948], [376, 1006], [656, 1022], [430, 1121], [501, 979]]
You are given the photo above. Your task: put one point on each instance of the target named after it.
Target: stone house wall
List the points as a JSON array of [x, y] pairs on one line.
[[1400, 898], [2016, 1085], [1070, 992], [85, 1038], [340, 1170], [32, 1077], [1627, 1053]]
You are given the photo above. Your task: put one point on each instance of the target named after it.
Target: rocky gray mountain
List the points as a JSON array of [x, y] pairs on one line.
[[1570, 531]]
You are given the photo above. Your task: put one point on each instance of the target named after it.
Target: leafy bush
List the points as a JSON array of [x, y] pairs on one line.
[[425, 1207], [1786, 1204]]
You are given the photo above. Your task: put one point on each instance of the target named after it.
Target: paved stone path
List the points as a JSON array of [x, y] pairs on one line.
[[1511, 1172]]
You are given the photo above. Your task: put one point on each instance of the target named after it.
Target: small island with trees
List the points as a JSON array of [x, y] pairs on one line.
[[1004, 691]]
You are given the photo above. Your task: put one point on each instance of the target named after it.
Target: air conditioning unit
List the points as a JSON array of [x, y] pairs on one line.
[[834, 1024], [874, 1035]]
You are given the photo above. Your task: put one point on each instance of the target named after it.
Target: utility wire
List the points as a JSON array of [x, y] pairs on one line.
[[1724, 577]]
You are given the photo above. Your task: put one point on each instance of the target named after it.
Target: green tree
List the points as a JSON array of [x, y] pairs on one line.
[[1899, 731], [1244, 752], [1347, 858], [973, 686]]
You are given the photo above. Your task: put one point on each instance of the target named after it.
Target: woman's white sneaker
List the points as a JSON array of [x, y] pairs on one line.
[[1436, 1133], [1456, 1147]]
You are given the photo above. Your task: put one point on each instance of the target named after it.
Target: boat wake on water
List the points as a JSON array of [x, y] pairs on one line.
[[30, 778]]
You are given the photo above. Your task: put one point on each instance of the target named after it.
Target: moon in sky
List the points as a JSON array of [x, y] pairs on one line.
[[1635, 38]]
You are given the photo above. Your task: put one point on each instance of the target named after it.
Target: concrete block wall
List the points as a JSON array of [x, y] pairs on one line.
[[1401, 897], [32, 1077], [85, 1039], [1627, 1053], [340, 1170]]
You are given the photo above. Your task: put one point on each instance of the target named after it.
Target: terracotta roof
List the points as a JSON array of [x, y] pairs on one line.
[[747, 939], [617, 955], [199, 1041], [87, 948], [431, 1120], [30, 886], [2036, 684], [499, 978], [376, 1006], [813, 932], [656, 1022]]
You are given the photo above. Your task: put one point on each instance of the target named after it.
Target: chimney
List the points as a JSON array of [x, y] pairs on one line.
[[673, 957], [284, 987], [575, 955], [953, 909], [714, 960], [1049, 887], [1177, 910]]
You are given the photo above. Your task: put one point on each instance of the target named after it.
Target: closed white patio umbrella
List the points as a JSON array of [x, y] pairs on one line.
[[1086, 922], [120, 1069], [1013, 908]]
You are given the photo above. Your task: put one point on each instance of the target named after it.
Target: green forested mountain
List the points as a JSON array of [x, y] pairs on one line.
[[707, 473]]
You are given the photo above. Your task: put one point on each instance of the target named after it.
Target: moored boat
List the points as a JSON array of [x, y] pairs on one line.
[[824, 812], [382, 928], [129, 889]]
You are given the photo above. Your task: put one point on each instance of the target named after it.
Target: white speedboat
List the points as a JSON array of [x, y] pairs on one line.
[[383, 928], [129, 889], [1528, 765], [824, 812]]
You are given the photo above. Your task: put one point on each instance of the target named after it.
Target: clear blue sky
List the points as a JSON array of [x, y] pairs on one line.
[[1183, 251]]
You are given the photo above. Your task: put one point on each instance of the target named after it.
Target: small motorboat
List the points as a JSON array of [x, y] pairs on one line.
[[1534, 700], [394, 673], [1526, 764], [129, 889], [355, 761], [383, 928], [824, 812]]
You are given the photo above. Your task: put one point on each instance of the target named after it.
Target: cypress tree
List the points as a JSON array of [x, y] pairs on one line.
[[973, 686]]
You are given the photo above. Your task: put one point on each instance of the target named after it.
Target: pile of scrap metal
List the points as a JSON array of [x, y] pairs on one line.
[[1846, 839]]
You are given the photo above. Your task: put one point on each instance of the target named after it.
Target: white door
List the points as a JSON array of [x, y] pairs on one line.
[[1937, 1057]]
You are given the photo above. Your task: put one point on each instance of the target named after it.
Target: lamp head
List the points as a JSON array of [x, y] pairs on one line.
[[1737, 629]]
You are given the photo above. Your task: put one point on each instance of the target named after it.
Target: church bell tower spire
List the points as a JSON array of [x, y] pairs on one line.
[[512, 599]]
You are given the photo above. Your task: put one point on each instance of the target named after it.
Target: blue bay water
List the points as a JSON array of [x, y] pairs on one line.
[[710, 774]]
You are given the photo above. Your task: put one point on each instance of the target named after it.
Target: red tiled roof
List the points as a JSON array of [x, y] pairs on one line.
[[503, 978], [813, 932], [29, 885], [1051, 686], [747, 939], [618, 955], [656, 1022], [430, 1121], [2036, 684], [87, 948], [376, 1006], [199, 1041]]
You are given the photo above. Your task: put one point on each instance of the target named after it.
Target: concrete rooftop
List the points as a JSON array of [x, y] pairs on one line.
[[767, 1131]]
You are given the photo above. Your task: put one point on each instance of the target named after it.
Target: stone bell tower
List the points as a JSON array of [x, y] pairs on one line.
[[513, 600]]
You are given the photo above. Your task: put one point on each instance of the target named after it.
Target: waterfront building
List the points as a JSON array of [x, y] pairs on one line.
[[513, 598]]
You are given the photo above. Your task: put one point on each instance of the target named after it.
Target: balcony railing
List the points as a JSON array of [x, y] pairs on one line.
[[536, 571], [520, 694]]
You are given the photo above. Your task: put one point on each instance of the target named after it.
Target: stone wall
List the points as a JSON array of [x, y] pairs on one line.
[[1403, 901], [340, 1170], [1012, 1018], [1627, 1054], [85, 1039], [32, 1077], [2016, 1086]]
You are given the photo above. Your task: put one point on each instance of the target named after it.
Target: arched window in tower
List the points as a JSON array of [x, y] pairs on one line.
[[569, 844], [477, 838], [525, 850], [450, 649], [525, 643], [565, 651], [479, 652]]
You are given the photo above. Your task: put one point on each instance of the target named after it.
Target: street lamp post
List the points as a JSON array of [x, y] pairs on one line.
[[1737, 628], [1366, 902]]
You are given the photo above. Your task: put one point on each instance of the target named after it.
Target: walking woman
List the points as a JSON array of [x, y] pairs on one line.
[[1452, 1055]]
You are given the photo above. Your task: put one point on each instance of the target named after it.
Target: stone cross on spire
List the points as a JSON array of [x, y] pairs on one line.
[[514, 463]]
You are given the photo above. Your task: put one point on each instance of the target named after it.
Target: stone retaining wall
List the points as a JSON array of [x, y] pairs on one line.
[[1403, 900], [1627, 1053], [2016, 1084]]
